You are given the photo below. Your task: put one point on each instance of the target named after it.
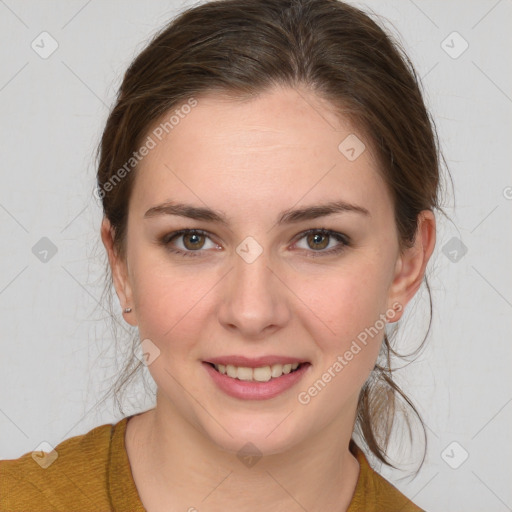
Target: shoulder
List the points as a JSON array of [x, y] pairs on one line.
[[72, 476], [374, 493]]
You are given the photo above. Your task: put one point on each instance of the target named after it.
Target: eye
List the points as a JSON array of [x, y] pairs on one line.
[[319, 239], [193, 241]]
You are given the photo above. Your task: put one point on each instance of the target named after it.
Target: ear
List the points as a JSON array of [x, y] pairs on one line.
[[119, 270], [410, 266]]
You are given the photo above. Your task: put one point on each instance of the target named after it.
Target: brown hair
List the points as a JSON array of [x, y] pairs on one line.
[[243, 47]]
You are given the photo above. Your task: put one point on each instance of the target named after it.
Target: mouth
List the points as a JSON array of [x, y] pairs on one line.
[[257, 374]]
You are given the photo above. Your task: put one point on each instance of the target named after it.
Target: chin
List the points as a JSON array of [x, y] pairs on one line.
[[264, 436]]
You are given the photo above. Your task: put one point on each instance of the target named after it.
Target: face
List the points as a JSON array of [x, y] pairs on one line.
[[254, 279]]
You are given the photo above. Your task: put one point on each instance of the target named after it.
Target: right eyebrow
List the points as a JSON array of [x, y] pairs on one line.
[[187, 210]]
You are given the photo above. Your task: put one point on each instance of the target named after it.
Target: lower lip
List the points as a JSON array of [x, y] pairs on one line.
[[251, 390]]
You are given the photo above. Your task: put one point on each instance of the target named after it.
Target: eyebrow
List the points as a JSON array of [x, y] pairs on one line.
[[289, 216]]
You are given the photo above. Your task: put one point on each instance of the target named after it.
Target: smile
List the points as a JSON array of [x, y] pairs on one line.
[[259, 374], [257, 382]]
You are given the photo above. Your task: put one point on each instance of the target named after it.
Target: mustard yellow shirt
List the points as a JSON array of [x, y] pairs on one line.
[[92, 474]]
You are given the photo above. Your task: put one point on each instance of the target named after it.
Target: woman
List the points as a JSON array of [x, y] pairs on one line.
[[268, 177]]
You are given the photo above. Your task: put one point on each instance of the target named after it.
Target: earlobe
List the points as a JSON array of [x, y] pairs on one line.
[[411, 264], [119, 272]]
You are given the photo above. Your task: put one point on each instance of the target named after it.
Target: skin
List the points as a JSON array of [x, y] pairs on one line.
[[252, 160]]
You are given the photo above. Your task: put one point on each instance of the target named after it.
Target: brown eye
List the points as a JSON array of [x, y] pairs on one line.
[[196, 241], [323, 242], [188, 242], [318, 241]]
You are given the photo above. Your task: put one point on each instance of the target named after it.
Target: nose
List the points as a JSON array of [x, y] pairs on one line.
[[255, 300]]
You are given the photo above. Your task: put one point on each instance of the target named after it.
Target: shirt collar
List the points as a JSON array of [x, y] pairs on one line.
[[125, 498]]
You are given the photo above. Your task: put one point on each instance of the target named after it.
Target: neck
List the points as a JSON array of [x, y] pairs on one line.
[[173, 462]]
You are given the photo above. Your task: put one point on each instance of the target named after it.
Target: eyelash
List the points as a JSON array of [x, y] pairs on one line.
[[343, 239]]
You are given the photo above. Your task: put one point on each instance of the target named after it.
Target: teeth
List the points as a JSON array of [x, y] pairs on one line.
[[261, 374]]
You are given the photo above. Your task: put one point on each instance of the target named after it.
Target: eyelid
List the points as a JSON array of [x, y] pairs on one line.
[[185, 231], [323, 231]]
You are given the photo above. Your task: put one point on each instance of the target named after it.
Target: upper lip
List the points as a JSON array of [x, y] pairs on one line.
[[254, 362]]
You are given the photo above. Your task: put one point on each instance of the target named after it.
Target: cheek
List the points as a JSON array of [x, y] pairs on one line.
[[346, 323], [344, 301], [350, 305], [168, 301], [176, 304]]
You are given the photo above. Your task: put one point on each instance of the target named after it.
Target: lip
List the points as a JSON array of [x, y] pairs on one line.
[[254, 362], [248, 390]]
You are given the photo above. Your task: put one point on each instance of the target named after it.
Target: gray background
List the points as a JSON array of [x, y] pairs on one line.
[[57, 349]]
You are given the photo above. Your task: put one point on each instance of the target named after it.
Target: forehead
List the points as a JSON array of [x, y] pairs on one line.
[[277, 147]]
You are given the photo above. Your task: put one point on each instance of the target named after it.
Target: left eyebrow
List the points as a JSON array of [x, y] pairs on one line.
[[316, 211], [289, 216]]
